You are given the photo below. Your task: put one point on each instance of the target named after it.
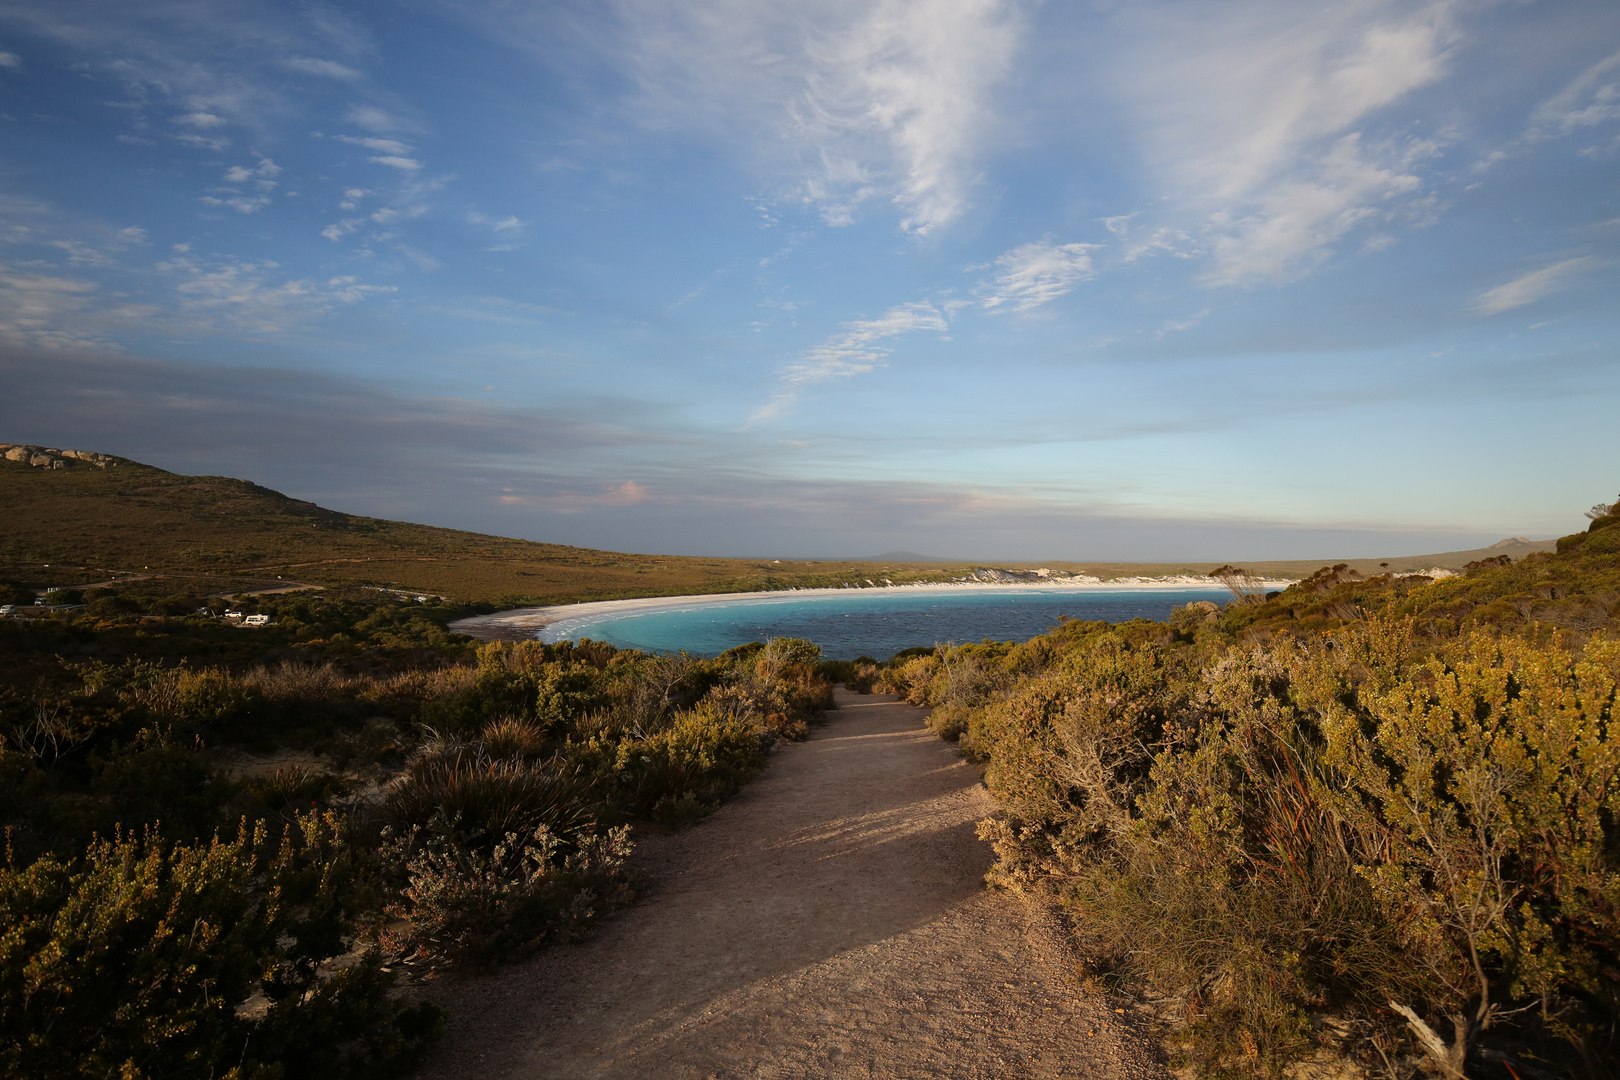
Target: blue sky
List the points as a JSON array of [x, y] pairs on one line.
[[1151, 280]]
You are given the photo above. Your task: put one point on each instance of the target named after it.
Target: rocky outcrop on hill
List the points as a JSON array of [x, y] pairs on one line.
[[49, 457]]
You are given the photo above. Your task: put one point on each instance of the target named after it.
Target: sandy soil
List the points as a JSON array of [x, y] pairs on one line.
[[830, 921]]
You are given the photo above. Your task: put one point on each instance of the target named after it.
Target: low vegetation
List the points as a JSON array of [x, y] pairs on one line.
[[224, 844], [1363, 819], [1371, 818]]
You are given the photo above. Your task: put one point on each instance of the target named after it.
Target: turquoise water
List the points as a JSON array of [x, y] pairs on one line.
[[872, 622]]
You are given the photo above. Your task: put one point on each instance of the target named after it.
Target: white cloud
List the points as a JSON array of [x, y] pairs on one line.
[[247, 295], [350, 289], [842, 104], [263, 173], [1176, 326], [1528, 288], [40, 310], [1260, 121], [204, 120], [342, 228], [394, 161], [9, 59], [330, 69], [203, 142], [242, 204], [1036, 273], [382, 146], [510, 225], [1592, 98], [373, 118], [858, 347], [1291, 224]]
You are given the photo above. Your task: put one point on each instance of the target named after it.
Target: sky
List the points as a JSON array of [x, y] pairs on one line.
[[1220, 279]]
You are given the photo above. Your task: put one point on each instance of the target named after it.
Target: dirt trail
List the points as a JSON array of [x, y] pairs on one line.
[[829, 921]]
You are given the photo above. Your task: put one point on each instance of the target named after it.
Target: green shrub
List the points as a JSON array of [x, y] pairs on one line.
[[1489, 788], [1271, 834], [690, 765]]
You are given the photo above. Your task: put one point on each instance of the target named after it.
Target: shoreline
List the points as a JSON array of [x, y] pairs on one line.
[[522, 623]]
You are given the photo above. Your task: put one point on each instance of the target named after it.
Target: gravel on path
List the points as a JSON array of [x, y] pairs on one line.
[[830, 921]]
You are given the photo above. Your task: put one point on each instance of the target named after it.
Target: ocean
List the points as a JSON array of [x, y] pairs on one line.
[[872, 622]]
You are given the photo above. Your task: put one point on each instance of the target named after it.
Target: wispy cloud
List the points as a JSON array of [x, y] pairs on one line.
[[244, 294], [1035, 274], [1590, 100], [329, 69], [841, 106], [391, 152], [40, 310], [382, 146], [858, 347], [1529, 288], [628, 493], [510, 225], [10, 60], [901, 100], [203, 120], [1259, 120], [375, 118]]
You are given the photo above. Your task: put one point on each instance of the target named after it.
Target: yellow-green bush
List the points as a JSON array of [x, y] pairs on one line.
[[1344, 827]]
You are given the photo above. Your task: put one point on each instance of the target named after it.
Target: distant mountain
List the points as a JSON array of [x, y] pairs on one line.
[[904, 556]]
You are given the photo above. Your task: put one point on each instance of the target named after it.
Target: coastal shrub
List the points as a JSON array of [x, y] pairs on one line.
[[1422, 844], [465, 904], [160, 778], [689, 767], [487, 797], [513, 737], [1488, 784], [150, 959]]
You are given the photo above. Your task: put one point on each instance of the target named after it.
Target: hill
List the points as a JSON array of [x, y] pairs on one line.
[[74, 520]]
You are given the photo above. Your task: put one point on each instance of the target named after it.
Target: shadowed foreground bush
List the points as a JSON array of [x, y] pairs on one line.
[[467, 906], [141, 962]]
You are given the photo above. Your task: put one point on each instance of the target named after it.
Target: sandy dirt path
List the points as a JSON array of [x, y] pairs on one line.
[[829, 921]]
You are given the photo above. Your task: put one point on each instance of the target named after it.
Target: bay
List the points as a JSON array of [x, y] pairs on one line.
[[872, 622]]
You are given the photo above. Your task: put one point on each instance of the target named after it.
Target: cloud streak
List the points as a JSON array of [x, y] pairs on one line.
[[1035, 274], [839, 106], [1529, 288], [859, 347], [1261, 121]]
